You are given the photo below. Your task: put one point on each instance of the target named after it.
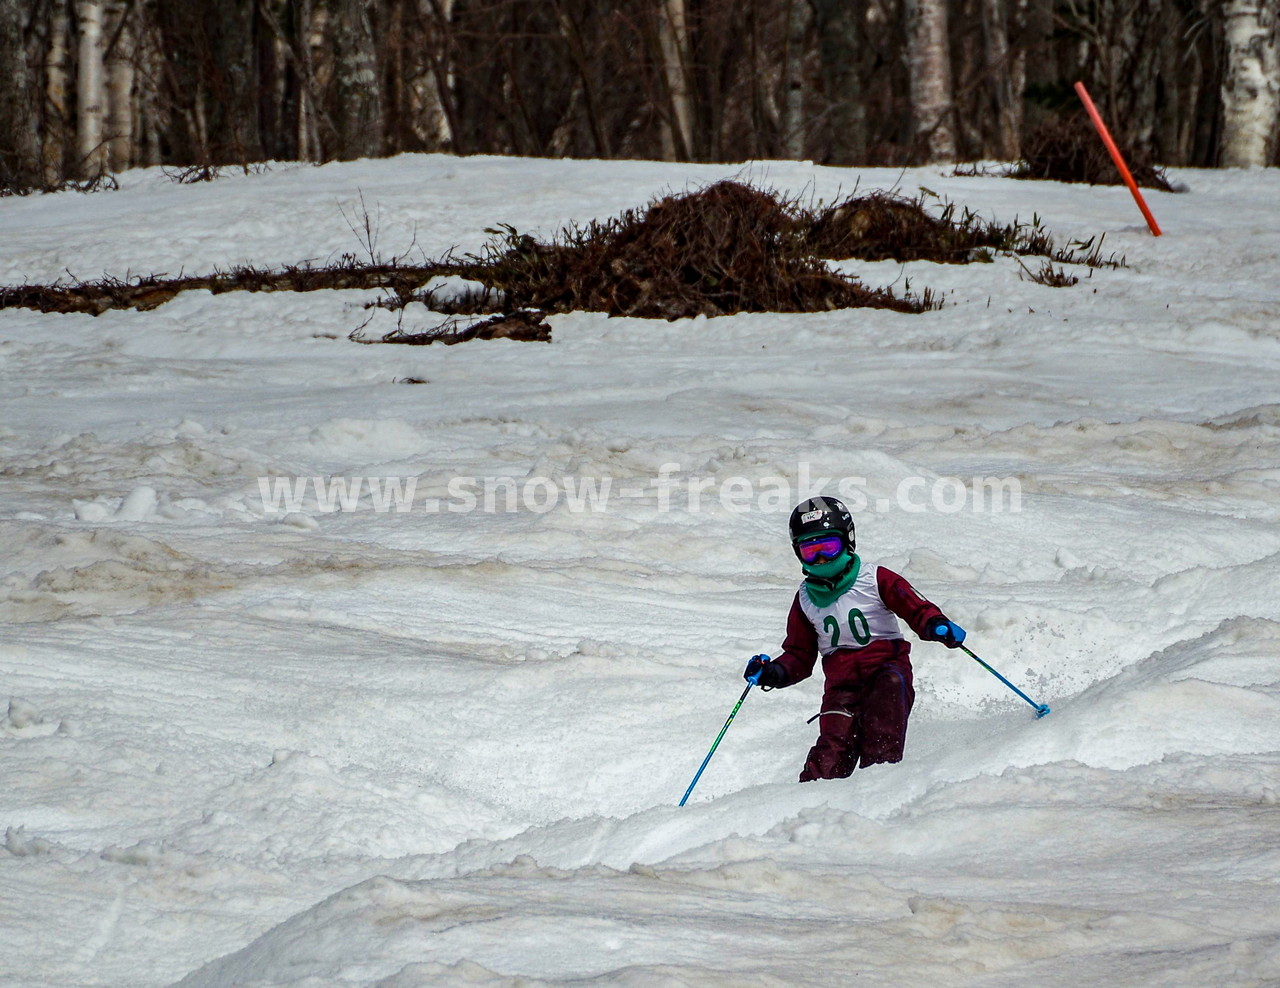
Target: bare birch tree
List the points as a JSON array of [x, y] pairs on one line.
[[1251, 87], [929, 60], [673, 36], [357, 93], [119, 84], [91, 92], [434, 93], [793, 123], [56, 137]]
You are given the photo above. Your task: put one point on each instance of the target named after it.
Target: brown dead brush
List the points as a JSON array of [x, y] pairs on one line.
[[884, 226], [723, 249], [148, 292], [526, 325], [1069, 150]]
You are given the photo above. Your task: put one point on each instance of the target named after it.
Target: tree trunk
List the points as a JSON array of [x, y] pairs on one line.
[[929, 61], [677, 130], [19, 139], [120, 73], [580, 58], [1251, 86], [1005, 99], [233, 115], [91, 93], [837, 24], [1040, 61], [1018, 76], [149, 117], [437, 91], [1141, 77], [1205, 124], [793, 123], [357, 105], [57, 135], [308, 125]]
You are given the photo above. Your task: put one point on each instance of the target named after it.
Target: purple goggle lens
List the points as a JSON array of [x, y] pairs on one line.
[[822, 548]]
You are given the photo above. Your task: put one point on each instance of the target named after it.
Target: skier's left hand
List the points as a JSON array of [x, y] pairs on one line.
[[770, 674], [947, 632]]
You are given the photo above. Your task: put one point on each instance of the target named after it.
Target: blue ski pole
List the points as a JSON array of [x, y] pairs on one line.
[[1040, 708], [750, 683]]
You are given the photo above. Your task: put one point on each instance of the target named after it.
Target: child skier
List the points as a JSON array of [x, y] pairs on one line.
[[845, 611]]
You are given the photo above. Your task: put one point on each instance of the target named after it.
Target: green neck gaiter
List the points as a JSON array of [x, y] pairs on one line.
[[825, 582]]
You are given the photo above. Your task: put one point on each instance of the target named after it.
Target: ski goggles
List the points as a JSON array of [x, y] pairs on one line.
[[820, 549]]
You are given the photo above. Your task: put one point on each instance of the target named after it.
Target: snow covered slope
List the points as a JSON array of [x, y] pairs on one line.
[[437, 747]]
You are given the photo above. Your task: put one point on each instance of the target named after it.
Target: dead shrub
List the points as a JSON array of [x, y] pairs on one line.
[[1048, 275], [883, 226], [526, 325], [94, 297], [723, 249], [101, 182], [192, 174], [148, 292], [1068, 149]]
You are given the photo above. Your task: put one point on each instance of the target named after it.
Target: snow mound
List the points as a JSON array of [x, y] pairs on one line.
[[729, 912]]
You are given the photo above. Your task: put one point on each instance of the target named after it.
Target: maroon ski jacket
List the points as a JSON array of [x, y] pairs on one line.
[[870, 637]]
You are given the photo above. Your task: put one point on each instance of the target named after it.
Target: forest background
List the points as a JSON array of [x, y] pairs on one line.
[[88, 87]]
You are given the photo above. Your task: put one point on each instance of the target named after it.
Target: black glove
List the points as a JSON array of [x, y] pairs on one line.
[[947, 632], [771, 673]]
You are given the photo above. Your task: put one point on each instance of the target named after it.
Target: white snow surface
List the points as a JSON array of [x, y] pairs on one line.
[[402, 749]]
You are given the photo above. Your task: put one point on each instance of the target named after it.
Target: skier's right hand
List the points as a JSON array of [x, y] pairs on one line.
[[947, 632], [771, 674]]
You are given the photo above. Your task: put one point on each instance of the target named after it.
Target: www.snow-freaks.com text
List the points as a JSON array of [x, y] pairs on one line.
[[667, 490]]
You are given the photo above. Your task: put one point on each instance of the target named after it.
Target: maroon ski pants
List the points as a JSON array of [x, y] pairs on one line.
[[865, 707]]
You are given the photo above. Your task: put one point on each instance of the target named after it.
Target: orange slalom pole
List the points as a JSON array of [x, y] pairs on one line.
[[1105, 134]]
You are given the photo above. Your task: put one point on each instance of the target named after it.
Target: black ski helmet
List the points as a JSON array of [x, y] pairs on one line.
[[819, 516]]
